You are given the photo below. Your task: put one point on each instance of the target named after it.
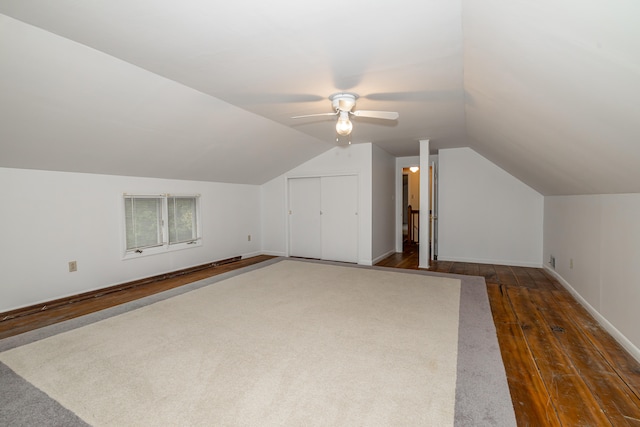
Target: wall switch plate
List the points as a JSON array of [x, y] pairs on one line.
[[248, 237], [73, 266]]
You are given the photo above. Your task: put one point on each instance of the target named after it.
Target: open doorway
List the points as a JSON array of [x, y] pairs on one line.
[[405, 203], [410, 210], [424, 212], [433, 209], [411, 207]]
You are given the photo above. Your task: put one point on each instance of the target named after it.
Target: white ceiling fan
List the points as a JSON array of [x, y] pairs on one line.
[[343, 104]]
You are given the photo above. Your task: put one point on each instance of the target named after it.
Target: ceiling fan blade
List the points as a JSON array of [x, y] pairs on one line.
[[315, 115], [418, 96], [387, 115], [270, 98]]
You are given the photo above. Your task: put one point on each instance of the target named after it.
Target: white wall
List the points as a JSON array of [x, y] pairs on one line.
[[352, 159], [51, 218], [383, 199], [601, 234], [486, 215], [425, 200]]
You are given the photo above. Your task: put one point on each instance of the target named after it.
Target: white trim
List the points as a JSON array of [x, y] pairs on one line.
[[254, 253], [492, 261], [381, 257], [270, 253], [425, 197], [615, 333], [162, 249]]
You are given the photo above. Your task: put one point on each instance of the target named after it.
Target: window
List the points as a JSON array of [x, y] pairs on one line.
[[157, 223], [143, 216], [183, 224]]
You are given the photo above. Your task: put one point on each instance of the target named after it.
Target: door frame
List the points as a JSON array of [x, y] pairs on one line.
[[425, 196]]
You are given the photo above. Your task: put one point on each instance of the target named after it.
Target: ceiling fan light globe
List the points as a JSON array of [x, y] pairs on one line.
[[344, 127]]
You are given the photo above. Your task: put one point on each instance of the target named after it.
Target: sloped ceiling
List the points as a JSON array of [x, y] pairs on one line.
[[206, 90]]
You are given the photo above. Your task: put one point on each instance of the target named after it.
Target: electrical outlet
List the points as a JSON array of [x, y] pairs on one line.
[[552, 261], [571, 263], [73, 266], [248, 237]]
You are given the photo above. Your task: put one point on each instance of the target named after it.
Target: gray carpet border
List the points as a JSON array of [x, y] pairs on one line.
[[482, 393], [24, 405]]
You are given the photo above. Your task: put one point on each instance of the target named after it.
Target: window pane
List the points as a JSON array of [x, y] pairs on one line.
[[182, 219], [143, 222]]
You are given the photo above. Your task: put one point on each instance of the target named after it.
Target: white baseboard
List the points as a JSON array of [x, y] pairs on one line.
[[491, 261], [252, 254], [283, 254], [381, 257], [271, 253], [615, 333]]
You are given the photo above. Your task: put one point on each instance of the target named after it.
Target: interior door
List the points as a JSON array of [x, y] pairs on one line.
[[339, 219], [304, 218], [433, 213]]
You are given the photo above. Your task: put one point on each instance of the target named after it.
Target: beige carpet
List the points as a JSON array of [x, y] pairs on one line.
[[293, 343]]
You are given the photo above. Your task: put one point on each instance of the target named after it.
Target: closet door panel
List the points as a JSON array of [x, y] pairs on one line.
[[339, 219], [304, 218]]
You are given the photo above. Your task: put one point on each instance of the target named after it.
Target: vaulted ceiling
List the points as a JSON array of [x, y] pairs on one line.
[[202, 90]]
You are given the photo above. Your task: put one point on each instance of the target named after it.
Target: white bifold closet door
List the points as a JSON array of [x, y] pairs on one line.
[[323, 218], [304, 218], [339, 219]]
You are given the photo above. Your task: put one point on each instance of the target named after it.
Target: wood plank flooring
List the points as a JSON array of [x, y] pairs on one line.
[[49, 316], [563, 368]]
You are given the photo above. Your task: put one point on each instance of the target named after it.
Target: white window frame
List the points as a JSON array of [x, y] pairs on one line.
[[164, 246]]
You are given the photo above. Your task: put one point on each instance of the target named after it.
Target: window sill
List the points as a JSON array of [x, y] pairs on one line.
[[161, 250]]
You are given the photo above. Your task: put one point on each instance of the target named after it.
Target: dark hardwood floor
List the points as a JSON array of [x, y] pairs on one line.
[[563, 369], [10, 325]]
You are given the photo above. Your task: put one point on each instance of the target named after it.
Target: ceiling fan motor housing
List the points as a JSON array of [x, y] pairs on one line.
[[343, 101]]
